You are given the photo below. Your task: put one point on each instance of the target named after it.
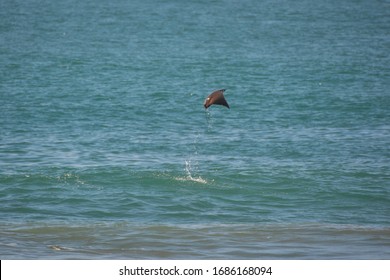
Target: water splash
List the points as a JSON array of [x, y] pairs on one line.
[[191, 163], [189, 177], [209, 120], [188, 168]]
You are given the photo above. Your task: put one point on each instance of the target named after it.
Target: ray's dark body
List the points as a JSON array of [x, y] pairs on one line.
[[216, 98]]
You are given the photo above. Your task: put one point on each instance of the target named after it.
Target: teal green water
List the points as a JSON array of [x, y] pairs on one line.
[[106, 151]]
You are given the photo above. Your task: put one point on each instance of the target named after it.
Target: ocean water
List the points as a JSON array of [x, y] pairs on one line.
[[106, 150]]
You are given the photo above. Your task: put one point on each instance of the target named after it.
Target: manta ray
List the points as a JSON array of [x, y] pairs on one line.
[[216, 98]]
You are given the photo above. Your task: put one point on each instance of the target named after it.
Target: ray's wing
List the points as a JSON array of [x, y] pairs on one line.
[[220, 100]]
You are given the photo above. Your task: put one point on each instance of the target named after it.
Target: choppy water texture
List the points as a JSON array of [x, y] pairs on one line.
[[107, 152]]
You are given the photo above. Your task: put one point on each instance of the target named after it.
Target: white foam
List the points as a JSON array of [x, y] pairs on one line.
[[189, 177]]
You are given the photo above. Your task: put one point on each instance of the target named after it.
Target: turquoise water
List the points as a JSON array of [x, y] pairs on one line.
[[106, 151]]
